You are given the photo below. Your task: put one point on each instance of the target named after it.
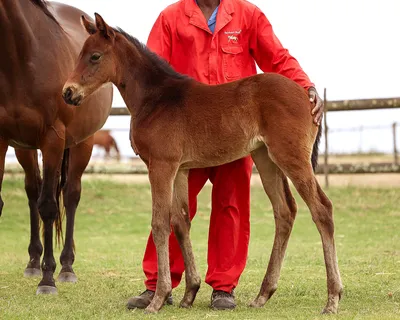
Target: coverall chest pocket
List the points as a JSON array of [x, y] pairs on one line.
[[232, 59]]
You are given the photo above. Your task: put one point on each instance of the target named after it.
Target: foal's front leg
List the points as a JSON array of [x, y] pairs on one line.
[[161, 176], [181, 223], [52, 150]]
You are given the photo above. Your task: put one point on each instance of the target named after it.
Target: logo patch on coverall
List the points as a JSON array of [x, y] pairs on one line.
[[233, 36]]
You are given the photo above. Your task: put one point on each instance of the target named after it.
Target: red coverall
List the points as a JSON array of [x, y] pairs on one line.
[[242, 37]]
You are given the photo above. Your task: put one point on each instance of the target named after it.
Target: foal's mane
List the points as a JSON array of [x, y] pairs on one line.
[[156, 61], [42, 4]]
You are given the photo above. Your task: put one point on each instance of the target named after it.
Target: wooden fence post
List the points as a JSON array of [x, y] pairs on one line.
[[396, 158], [326, 169]]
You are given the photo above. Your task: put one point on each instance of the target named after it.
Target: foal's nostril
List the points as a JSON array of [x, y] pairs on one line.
[[68, 94]]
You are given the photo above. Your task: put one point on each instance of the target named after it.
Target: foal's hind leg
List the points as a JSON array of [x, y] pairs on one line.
[[28, 159], [79, 158], [277, 188], [180, 221], [296, 165]]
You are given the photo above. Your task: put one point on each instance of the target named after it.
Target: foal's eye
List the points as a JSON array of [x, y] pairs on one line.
[[95, 57]]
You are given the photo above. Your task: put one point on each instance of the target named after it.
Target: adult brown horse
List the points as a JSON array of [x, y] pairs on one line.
[[77, 162], [178, 123], [104, 139], [40, 44]]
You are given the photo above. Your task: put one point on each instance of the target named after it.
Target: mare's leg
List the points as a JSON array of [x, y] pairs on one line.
[[3, 151], [79, 157], [107, 151], [161, 176], [284, 206], [295, 163], [116, 149], [180, 221], [29, 162], [52, 150]]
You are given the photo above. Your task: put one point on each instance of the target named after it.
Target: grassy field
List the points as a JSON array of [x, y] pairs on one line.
[[112, 226]]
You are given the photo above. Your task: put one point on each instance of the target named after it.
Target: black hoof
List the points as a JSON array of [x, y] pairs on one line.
[[32, 273], [46, 290], [67, 277]]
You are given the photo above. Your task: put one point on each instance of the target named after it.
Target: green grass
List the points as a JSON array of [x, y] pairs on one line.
[[112, 226]]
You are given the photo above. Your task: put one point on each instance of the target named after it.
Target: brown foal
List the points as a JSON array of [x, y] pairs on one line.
[[178, 123], [40, 45]]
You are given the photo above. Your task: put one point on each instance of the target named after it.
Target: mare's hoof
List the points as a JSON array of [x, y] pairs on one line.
[[32, 273], [67, 277], [46, 290]]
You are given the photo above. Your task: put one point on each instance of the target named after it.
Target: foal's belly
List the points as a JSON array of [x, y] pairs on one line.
[[212, 154]]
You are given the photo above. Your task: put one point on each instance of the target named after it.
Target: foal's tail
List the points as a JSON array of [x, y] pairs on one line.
[[314, 156], [59, 197]]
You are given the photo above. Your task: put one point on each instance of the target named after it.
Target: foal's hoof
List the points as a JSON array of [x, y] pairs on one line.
[[67, 277], [258, 302], [188, 299], [32, 273], [332, 305], [150, 310], [329, 310], [46, 290], [185, 304]]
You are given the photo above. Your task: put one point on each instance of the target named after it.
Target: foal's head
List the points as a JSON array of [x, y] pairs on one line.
[[96, 62]]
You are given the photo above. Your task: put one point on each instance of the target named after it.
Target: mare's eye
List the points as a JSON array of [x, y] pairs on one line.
[[95, 57]]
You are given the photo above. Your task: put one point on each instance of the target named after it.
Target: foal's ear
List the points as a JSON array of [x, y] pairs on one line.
[[103, 27], [89, 26]]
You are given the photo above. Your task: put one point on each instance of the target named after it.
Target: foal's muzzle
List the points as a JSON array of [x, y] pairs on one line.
[[72, 96]]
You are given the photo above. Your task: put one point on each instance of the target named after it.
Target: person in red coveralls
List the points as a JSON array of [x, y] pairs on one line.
[[216, 42]]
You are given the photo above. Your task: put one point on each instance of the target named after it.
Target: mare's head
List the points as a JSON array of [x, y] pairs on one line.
[[96, 62]]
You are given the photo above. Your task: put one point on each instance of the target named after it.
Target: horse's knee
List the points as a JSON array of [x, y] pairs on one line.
[[48, 208], [159, 229], [32, 190]]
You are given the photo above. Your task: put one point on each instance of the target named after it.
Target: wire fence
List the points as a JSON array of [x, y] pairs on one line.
[[357, 140], [375, 139]]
